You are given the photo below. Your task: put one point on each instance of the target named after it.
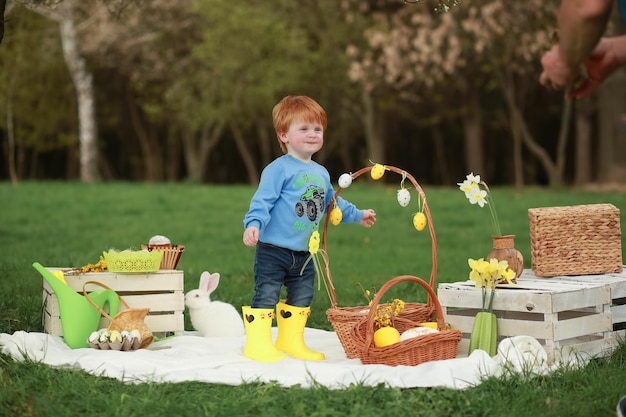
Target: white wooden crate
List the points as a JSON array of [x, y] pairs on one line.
[[564, 316], [162, 292], [617, 283]]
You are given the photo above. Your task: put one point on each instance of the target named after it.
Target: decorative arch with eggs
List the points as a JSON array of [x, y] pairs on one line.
[[421, 218]]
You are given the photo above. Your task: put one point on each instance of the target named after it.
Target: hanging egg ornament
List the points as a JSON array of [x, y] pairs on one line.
[[404, 197], [377, 172], [419, 221], [345, 180], [336, 215]]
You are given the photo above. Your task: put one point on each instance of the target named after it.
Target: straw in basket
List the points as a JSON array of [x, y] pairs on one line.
[[344, 319], [128, 319], [410, 352]]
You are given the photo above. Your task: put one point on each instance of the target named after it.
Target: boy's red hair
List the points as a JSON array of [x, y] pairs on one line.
[[296, 108]]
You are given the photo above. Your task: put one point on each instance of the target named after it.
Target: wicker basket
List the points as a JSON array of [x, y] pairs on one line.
[[429, 347], [344, 319], [171, 254], [128, 319], [575, 240]]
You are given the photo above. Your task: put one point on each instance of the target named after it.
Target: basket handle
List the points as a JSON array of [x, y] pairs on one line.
[[369, 331], [433, 273], [97, 307]]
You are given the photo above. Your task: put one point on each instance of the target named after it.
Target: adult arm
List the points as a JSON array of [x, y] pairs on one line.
[[581, 25]]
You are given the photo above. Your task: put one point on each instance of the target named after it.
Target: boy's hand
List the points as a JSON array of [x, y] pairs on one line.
[[251, 236], [369, 218]]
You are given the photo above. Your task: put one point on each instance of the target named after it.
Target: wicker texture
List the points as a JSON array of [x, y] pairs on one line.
[[430, 347], [575, 240], [171, 254], [344, 319], [128, 319]]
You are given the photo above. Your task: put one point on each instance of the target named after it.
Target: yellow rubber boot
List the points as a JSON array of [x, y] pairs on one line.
[[258, 324], [291, 322]]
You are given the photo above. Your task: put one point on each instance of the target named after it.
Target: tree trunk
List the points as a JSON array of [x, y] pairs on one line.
[[611, 129], [83, 82], [3, 4], [518, 164], [375, 147], [472, 126], [197, 148], [265, 143], [173, 149], [440, 154], [149, 157], [583, 154], [246, 155], [11, 137]]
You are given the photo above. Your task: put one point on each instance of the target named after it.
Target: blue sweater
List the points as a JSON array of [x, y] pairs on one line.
[[290, 202]]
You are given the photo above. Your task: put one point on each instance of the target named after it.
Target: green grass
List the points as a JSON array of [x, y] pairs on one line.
[[70, 224]]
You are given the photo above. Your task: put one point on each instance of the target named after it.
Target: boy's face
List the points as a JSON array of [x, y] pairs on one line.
[[303, 139]]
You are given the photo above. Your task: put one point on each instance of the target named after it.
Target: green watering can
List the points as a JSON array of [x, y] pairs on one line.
[[79, 318]]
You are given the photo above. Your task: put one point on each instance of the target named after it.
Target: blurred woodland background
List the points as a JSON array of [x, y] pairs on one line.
[[161, 90]]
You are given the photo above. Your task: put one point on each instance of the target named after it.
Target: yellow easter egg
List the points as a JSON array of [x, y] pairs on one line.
[[419, 221], [115, 336], [431, 324], [377, 171], [336, 215], [386, 336]]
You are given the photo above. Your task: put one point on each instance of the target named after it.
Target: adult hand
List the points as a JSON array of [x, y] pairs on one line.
[[557, 74], [600, 64]]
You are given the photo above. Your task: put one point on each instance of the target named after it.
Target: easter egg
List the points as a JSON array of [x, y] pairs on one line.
[[377, 171], [335, 216], [386, 336], [345, 180], [104, 337], [115, 336], [419, 221], [404, 197], [415, 332]]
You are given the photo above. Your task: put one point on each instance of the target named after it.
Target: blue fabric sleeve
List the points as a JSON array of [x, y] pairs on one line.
[[290, 202]]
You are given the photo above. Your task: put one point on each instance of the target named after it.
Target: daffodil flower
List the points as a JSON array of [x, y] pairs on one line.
[[477, 192], [488, 274]]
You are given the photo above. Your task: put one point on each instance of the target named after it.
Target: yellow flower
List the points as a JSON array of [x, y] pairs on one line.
[[488, 275]]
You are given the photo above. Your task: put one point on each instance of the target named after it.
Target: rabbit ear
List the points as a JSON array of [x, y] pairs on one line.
[[209, 282]]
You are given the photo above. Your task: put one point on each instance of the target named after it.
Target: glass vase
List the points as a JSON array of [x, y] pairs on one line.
[[484, 333]]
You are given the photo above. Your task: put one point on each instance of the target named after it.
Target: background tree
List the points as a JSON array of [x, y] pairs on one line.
[[38, 111], [182, 87]]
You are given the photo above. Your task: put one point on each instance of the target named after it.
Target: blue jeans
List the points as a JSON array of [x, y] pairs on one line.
[[275, 267]]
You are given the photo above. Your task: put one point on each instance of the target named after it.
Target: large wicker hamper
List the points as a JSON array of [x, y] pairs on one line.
[[575, 240]]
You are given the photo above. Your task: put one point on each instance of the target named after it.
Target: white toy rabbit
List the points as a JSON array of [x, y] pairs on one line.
[[212, 318]]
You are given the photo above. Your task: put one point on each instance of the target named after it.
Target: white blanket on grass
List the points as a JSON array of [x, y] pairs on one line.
[[220, 360]]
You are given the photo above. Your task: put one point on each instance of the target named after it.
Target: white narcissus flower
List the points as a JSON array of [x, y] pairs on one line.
[[478, 196]]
